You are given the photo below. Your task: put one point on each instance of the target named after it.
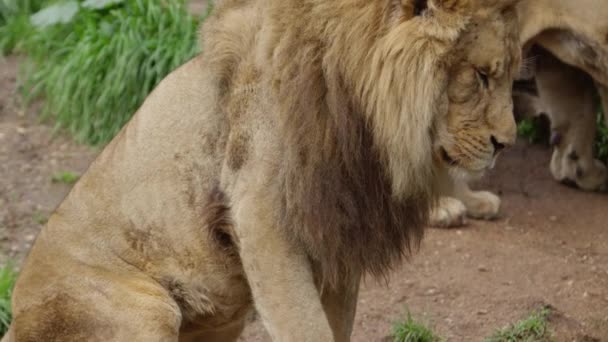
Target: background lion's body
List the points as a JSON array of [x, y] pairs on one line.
[[568, 43]]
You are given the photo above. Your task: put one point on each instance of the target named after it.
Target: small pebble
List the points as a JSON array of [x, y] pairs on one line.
[[431, 292]]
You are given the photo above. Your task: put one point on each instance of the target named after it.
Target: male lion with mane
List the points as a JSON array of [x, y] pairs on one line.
[[298, 153]]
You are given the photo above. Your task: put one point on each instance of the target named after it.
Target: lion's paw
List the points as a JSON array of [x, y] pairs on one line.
[[449, 212], [482, 205]]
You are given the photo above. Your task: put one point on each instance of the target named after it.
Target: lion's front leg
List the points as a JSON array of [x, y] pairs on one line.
[[340, 305], [280, 276], [458, 201], [479, 204], [449, 212]]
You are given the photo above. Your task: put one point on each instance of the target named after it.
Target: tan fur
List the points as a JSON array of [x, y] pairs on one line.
[[298, 153]]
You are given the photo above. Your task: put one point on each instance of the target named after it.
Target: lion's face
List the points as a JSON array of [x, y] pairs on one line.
[[479, 122]]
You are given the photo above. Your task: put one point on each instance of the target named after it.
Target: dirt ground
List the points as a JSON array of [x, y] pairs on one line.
[[550, 247]]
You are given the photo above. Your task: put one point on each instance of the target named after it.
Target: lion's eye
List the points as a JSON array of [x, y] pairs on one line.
[[483, 77]]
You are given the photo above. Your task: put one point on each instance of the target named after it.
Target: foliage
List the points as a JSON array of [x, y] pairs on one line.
[[601, 141], [533, 131], [65, 177], [14, 22], [532, 329], [95, 67], [412, 331], [8, 276]]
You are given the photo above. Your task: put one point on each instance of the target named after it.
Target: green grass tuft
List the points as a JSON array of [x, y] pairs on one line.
[[65, 177], [40, 218], [532, 329], [14, 21], [412, 331], [96, 71], [95, 68], [601, 141], [8, 276], [529, 129]]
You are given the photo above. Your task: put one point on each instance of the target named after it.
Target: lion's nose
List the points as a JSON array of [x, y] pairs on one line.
[[499, 145]]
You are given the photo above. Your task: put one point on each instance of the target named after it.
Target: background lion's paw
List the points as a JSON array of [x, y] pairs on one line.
[[482, 205], [449, 212]]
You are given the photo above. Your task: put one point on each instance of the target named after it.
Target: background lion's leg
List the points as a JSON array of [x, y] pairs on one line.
[[569, 97]]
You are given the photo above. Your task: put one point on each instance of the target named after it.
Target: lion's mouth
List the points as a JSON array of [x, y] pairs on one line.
[[446, 158]]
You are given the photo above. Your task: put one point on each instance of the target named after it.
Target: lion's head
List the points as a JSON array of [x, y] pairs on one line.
[[374, 98], [479, 122], [447, 67]]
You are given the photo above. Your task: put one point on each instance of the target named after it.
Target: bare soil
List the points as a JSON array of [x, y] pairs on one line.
[[550, 247]]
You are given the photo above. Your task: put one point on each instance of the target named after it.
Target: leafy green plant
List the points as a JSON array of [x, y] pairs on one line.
[[11, 8], [14, 21], [8, 276], [65, 177], [528, 129], [94, 61], [532, 329], [601, 141], [412, 331], [40, 218]]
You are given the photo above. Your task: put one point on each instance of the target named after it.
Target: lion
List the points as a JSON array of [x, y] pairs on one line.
[[565, 44], [298, 153], [567, 97]]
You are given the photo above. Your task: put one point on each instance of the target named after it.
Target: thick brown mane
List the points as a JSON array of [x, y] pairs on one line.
[[339, 199], [360, 87]]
